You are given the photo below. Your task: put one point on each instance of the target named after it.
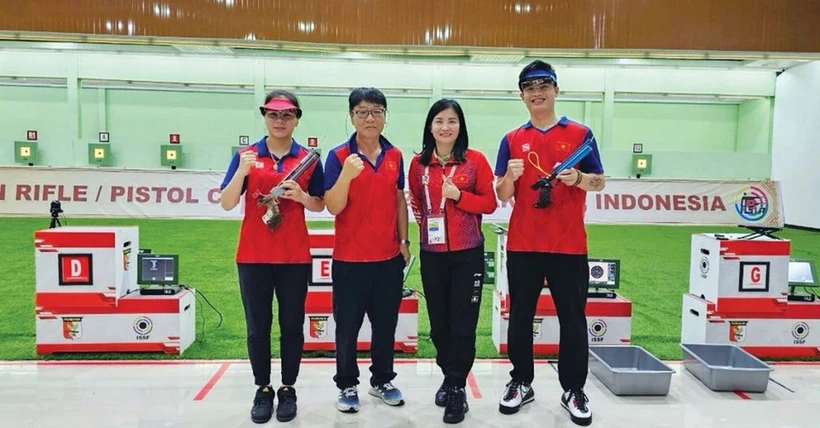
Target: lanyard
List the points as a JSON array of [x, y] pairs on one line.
[[426, 181]]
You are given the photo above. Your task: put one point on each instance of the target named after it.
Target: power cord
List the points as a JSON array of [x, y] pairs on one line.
[[201, 317], [197, 295]]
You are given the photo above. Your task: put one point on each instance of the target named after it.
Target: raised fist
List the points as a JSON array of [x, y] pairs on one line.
[[515, 168], [352, 167], [246, 160]]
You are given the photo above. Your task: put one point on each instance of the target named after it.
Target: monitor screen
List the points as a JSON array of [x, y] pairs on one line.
[[158, 269], [604, 273], [802, 273]]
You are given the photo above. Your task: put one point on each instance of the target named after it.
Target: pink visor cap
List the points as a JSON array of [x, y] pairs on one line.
[[280, 104]]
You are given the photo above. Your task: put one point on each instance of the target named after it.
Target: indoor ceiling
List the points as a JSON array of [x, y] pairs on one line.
[[245, 48]]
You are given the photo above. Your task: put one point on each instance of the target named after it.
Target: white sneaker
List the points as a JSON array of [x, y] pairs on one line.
[[516, 394], [576, 403], [348, 401]]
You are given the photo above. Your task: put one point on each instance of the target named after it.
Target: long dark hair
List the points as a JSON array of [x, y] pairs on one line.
[[428, 144]]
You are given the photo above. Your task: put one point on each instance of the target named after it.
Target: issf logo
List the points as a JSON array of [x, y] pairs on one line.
[[752, 204], [143, 327]]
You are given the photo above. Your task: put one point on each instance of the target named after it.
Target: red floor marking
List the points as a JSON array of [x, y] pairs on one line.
[[119, 363], [794, 363], [742, 395], [214, 379], [471, 382]]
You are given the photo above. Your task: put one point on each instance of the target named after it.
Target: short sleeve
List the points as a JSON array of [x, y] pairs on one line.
[[502, 158], [591, 163], [333, 168], [316, 186]]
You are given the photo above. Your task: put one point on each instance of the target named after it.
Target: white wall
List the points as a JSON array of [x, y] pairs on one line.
[[796, 143]]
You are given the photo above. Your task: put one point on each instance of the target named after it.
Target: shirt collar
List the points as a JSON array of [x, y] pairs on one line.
[[354, 148], [262, 148], [563, 121]]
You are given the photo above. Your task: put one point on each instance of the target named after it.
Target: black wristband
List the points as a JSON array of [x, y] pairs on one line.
[[580, 177]]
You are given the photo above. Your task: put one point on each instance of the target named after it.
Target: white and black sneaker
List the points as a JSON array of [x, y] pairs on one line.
[[575, 401], [515, 396]]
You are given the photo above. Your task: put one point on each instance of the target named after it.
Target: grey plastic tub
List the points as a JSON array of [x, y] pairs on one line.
[[629, 370], [723, 367]]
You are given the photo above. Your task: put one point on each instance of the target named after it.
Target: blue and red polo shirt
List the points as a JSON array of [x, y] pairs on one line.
[[558, 228], [367, 228], [474, 177], [288, 243]]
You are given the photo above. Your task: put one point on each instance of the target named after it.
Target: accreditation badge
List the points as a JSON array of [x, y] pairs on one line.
[[435, 230]]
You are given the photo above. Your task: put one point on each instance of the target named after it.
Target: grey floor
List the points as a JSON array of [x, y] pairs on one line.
[[219, 394]]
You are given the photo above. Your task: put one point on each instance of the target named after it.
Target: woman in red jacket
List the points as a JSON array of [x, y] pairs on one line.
[[451, 186]]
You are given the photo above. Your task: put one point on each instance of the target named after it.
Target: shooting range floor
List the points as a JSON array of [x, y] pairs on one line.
[[187, 393]]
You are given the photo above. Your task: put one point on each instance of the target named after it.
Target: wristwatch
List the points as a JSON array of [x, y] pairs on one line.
[[404, 241]]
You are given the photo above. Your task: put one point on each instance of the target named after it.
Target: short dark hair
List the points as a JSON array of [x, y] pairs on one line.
[[536, 65], [428, 141], [281, 93], [370, 95]]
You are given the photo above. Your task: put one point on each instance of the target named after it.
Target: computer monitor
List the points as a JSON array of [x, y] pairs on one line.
[[161, 269], [604, 273], [802, 274]]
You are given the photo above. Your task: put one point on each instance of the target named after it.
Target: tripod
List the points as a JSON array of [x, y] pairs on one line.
[[55, 220]]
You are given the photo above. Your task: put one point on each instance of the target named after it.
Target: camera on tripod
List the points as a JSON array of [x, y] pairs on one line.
[[55, 210]]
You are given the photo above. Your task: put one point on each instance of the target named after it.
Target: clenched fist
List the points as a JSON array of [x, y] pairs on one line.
[[515, 168], [352, 167], [246, 160]]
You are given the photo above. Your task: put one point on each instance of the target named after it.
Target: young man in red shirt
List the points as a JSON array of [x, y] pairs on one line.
[[274, 261], [547, 242], [364, 189]]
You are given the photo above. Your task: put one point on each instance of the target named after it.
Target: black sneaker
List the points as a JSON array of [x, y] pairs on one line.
[[442, 394], [262, 405], [286, 410], [575, 401], [456, 406]]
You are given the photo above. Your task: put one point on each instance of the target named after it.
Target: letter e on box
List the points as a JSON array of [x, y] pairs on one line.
[[321, 270]]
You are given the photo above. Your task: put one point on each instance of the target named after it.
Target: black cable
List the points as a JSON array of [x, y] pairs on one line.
[[201, 317], [416, 292], [206, 301]]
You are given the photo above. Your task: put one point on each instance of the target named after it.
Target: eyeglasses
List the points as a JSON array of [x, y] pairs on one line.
[[285, 115], [537, 84], [377, 113]]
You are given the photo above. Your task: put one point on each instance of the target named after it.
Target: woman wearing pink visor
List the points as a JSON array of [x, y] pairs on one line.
[[273, 253]]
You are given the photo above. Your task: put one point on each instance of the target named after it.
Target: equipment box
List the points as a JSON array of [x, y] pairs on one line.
[[629, 370], [85, 266], [726, 367], [137, 324]]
